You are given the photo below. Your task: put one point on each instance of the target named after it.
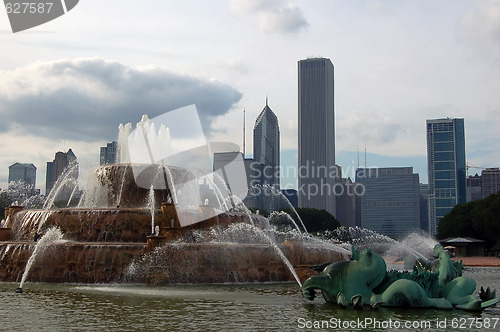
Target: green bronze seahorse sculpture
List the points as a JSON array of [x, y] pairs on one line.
[[364, 281]]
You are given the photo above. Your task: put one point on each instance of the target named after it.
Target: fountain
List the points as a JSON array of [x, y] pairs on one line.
[[123, 231]]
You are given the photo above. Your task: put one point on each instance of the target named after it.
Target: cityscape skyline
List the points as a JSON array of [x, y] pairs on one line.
[[397, 65], [349, 171]]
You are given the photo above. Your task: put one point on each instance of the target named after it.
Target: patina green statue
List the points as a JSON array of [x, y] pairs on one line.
[[364, 281]]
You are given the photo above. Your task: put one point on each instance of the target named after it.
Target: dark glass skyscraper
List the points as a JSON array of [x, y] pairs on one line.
[[317, 171], [446, 167], [266, 154], [266, 145]]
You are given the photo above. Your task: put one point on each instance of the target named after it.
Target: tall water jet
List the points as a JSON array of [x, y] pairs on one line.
[[274, 191], [68, 178], [123, 134], [151, 205], [51, 236], [276, 248], [280, 218]]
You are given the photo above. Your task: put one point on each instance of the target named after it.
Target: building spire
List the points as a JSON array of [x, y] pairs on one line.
[[266, 101], [244, 132], [365, 156]]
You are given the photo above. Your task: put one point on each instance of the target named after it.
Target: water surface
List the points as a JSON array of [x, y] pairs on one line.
[[241, 307]]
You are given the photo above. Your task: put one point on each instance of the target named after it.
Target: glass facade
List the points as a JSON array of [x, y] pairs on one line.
[[266, 152], [390, 204], [446, 167], [266, 146], [23, 172]]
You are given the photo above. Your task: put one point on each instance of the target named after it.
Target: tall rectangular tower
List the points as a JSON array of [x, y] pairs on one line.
[[109, 154], [490, 181], [446, 167], [317, 171], [58, 166], [23, 172]]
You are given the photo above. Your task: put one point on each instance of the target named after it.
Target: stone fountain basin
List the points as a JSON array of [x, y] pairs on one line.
[[108, 224], [96, 262], [86, 225], [111, 245]]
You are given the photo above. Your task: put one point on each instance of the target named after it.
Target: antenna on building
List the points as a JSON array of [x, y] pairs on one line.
[[365, 155], [358, 156], [243, 132]]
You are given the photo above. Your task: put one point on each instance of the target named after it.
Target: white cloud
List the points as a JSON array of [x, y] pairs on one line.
[[86, 98], [255, 5], [481, 23], [353, 130], [275, 16], [285, 19]]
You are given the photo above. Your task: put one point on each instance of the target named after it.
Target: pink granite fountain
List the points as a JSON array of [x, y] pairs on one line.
[[125, 232]]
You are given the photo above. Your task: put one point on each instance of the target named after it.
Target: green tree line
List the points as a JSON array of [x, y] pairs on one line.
[[479, 219]]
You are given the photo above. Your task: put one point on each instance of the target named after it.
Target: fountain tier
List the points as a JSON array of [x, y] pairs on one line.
[[108, 239]]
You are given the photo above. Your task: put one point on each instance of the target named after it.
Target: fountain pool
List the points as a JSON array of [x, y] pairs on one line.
[[224, 307]]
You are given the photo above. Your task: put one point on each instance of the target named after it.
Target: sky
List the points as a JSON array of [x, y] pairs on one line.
[[69, 83]]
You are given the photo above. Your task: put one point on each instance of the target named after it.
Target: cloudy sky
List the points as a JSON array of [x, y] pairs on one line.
[[69, 83]]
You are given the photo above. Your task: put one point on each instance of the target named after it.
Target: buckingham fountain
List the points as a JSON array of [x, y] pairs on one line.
[[147, 222], [128, 228]]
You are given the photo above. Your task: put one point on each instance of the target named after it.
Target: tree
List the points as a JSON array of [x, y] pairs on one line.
[[5, 202], [314, 220], [478, 219], [19, 193]]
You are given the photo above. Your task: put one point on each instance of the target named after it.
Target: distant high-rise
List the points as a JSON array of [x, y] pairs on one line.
[[266, 145], [231, 175], [316, 172], [109, 153], [390, 204], [23, 172], [446, 167], [424, 207], [57, 167], [347, 201], [474, 188], [266, 152], [490, 181]]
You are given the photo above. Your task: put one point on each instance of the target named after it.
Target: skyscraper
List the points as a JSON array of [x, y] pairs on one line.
[[57, 167], [25, 173], [390, 204], [316, 172], [266, 152], [266, 145], [446, 167], [490, 181], [109, 154]]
